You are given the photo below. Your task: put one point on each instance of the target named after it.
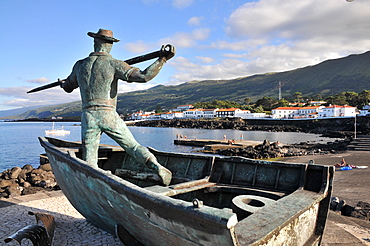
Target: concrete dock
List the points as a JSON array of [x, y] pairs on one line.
[[210, 144]]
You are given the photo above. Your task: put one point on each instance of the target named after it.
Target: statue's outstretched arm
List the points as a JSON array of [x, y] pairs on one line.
[[167, 52]]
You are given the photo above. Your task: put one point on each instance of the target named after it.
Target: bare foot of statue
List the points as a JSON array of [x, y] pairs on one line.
[[163, 172], [165, 175]]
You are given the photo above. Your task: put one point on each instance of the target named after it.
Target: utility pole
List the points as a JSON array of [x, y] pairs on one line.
[[355, 126], [279, 90]]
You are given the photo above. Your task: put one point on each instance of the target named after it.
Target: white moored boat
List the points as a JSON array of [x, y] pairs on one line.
[[54, 131]]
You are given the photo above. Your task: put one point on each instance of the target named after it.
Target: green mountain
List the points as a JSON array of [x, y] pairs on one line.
[[351, 73], [70, 110]]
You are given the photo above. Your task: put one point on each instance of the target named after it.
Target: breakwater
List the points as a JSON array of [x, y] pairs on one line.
[[331, 127]]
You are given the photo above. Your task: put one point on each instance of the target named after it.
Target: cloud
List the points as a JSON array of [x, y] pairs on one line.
[[205, 59], [179, 40], [180, 4], [189, 71], [195, 21], [41, 80], [297, 20], [137, 47], [276, 36], [19, 97], [299, 33], [187, 40], [243, 45], [127, 87]]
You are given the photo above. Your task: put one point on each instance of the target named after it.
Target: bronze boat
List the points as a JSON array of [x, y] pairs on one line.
[[212, 200]]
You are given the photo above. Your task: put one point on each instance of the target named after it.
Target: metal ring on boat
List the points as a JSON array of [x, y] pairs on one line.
[[245, 205], [197, 203]]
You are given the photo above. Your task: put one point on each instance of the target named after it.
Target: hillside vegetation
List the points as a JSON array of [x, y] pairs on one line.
[[351, 73]]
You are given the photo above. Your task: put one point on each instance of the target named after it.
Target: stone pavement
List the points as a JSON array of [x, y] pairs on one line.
[[71, 227]]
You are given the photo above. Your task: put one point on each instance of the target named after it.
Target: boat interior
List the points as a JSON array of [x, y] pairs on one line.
[[235, 184]]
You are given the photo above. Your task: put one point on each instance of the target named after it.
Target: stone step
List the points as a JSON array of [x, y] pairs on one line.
[[359, 149], [358, 145], [362, 143]]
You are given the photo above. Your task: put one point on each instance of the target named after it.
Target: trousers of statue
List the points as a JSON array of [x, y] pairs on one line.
[[95, 121]]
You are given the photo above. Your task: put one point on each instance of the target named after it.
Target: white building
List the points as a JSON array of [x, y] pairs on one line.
[[222, 113], [313, 112], [172, 115], [309, 112], [144, 117], [140, 115], [246, 114], [284, 112], [182, 108], [338, 111], [193, 113], [156, 116], [197, 113], [253, 116], [242, 113], [136, 115], [209, 113], [317, 103], [227, 112], [365, 110]]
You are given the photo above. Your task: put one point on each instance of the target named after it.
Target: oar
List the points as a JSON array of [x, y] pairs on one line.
[[131, 61]]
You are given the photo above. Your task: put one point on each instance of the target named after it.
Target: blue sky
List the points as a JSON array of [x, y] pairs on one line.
[[215, 39]]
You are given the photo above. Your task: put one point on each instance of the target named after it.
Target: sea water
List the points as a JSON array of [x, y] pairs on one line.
[[19, 143]]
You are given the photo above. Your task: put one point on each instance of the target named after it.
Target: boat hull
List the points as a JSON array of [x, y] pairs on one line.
[[158, 215], [107, 201]]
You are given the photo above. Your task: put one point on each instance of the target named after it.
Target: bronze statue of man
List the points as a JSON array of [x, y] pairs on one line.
[[97, 77]]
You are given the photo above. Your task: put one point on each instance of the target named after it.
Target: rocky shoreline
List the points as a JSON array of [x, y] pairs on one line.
[[268, 150], [27, 180]]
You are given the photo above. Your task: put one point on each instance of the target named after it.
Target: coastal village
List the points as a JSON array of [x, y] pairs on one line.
[[316, 111]]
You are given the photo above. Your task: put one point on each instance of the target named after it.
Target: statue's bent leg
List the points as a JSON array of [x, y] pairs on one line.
[[151, 161], [90, 135], [122, 135]]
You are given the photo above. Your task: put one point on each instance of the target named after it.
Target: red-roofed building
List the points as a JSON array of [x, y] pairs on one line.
[[309, 112], [285, 112], [227, 112], [246, 114], [197, 113], [297, 112], [338, 111], [209, 113], [317, 103], [182, 108], [172, 115]]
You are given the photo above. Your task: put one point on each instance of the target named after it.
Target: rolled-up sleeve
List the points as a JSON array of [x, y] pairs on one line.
[[123, 70], [71, 82]]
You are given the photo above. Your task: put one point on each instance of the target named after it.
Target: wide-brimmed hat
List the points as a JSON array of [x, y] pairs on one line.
[[103, 34]]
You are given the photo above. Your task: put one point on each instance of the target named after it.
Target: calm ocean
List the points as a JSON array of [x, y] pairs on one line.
[[19, 140]]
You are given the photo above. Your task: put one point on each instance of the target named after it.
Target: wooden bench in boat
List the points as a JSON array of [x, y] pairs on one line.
[[210, 187], [181, 188]]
